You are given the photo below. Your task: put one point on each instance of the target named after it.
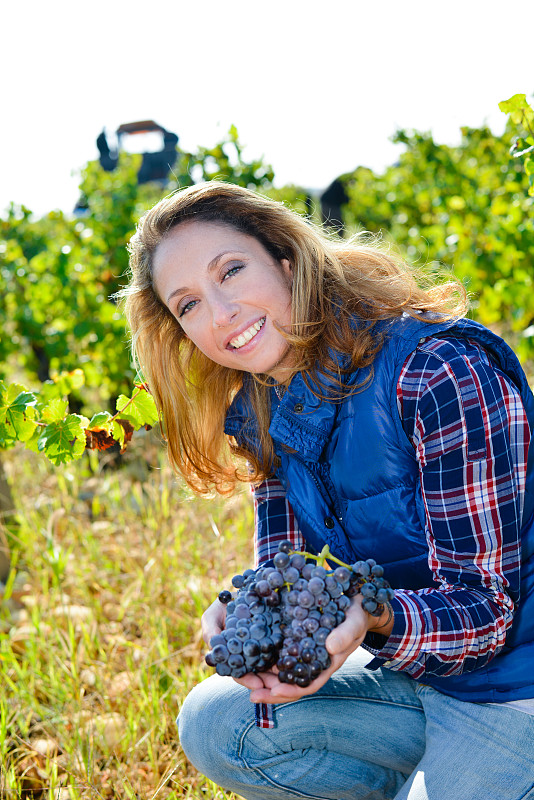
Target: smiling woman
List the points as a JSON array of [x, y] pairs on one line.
[[375, 419], [219, 307]]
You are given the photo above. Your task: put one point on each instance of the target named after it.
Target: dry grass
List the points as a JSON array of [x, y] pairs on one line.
[[99, 628]]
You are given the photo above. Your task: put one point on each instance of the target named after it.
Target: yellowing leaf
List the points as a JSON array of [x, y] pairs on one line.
[[140, 409], [54, 411], [17, 413]]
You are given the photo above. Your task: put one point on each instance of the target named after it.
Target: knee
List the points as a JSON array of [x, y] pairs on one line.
[[210, 723]]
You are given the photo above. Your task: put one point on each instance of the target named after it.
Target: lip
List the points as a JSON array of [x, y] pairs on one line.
[[242, 329]]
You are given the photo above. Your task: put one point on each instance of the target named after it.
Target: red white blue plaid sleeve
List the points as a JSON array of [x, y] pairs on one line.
[[470, 436]]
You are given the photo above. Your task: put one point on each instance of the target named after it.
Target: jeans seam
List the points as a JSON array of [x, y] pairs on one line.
[[528, 794], [308, 698], [263, 775]]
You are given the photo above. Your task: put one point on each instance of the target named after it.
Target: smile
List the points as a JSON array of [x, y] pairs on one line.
[[245, 337]]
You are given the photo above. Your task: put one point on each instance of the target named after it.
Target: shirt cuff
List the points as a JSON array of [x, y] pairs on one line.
[[399, 650]]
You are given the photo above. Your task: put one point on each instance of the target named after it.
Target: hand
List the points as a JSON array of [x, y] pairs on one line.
[[265, 686], [213, 620]]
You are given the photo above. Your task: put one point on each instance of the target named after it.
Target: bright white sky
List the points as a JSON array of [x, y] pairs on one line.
[[317, 88]]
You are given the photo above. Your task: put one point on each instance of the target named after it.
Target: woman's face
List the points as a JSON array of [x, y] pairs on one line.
[[227, 292]]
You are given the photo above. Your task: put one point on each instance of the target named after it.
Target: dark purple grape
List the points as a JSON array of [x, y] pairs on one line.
[[220, 653], [243, 612], [263, 589], [369, 605], [234, 645], [298, 561], [321, 635], [319, 572], [316, 585], [257, 631], [301, 670], [310, 624], [291, 574], [307, 571], [328, 621], [281, 561], [382, 596], [289, 662], [275, 580], [225, 596], [306, 599], [342, 574], [285, 546], [251, 648], [293, 598]]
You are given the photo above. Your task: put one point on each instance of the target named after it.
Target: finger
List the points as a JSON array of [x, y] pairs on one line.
[[277, 692], [250, 681], [350, 634]]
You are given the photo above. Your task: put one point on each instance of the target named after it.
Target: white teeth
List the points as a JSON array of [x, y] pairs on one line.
[[247, 335]]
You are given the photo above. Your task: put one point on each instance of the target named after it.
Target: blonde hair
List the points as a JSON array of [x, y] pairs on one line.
[[335, 283]]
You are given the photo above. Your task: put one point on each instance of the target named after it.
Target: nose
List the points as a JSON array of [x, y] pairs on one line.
[[223, 310]]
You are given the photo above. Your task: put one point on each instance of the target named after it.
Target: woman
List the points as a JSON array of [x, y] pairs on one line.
[[375, 418]]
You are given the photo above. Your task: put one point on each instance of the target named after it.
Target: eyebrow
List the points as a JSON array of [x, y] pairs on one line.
[[211, 266]]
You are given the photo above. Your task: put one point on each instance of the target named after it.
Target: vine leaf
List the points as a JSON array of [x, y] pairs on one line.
[[104, 431], [518, 108], [139, 409], [17, 413], [63, 439]]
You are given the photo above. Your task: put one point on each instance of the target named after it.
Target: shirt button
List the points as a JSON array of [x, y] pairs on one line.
[[298, 408], [329, 522]]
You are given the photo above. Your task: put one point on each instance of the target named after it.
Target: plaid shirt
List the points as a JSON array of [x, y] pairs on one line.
[[470, 436]]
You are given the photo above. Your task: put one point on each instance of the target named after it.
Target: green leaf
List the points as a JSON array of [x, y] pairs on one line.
[[140, 409], [117, 431], [64, 439], [518, 108], [515, 103], [529, 165], [55, 411], [102, 420], [17, 413]]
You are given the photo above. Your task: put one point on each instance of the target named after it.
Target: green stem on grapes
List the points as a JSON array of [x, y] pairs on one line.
[[324, 555]]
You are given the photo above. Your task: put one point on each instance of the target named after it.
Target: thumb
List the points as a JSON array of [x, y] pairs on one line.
[[342, 638]]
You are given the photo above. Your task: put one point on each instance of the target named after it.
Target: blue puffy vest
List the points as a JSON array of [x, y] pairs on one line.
[[350, 474]]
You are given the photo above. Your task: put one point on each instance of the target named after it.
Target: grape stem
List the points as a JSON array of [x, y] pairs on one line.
[[323, 556]]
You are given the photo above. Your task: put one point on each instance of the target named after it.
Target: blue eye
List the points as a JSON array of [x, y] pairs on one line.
[[187, 307], [233, 270]]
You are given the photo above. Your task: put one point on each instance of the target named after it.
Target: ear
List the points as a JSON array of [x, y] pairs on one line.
[[287, 269]]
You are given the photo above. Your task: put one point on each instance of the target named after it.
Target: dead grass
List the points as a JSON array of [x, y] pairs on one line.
[[99, 625]]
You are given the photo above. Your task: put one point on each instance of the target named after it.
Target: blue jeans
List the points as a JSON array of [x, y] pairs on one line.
[[371, 735]]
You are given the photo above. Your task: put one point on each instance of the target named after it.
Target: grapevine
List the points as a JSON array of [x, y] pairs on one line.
[[282, 614], [42, 422]]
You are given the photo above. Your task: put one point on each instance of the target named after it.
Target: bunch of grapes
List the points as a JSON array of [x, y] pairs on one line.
[[282, 615]]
